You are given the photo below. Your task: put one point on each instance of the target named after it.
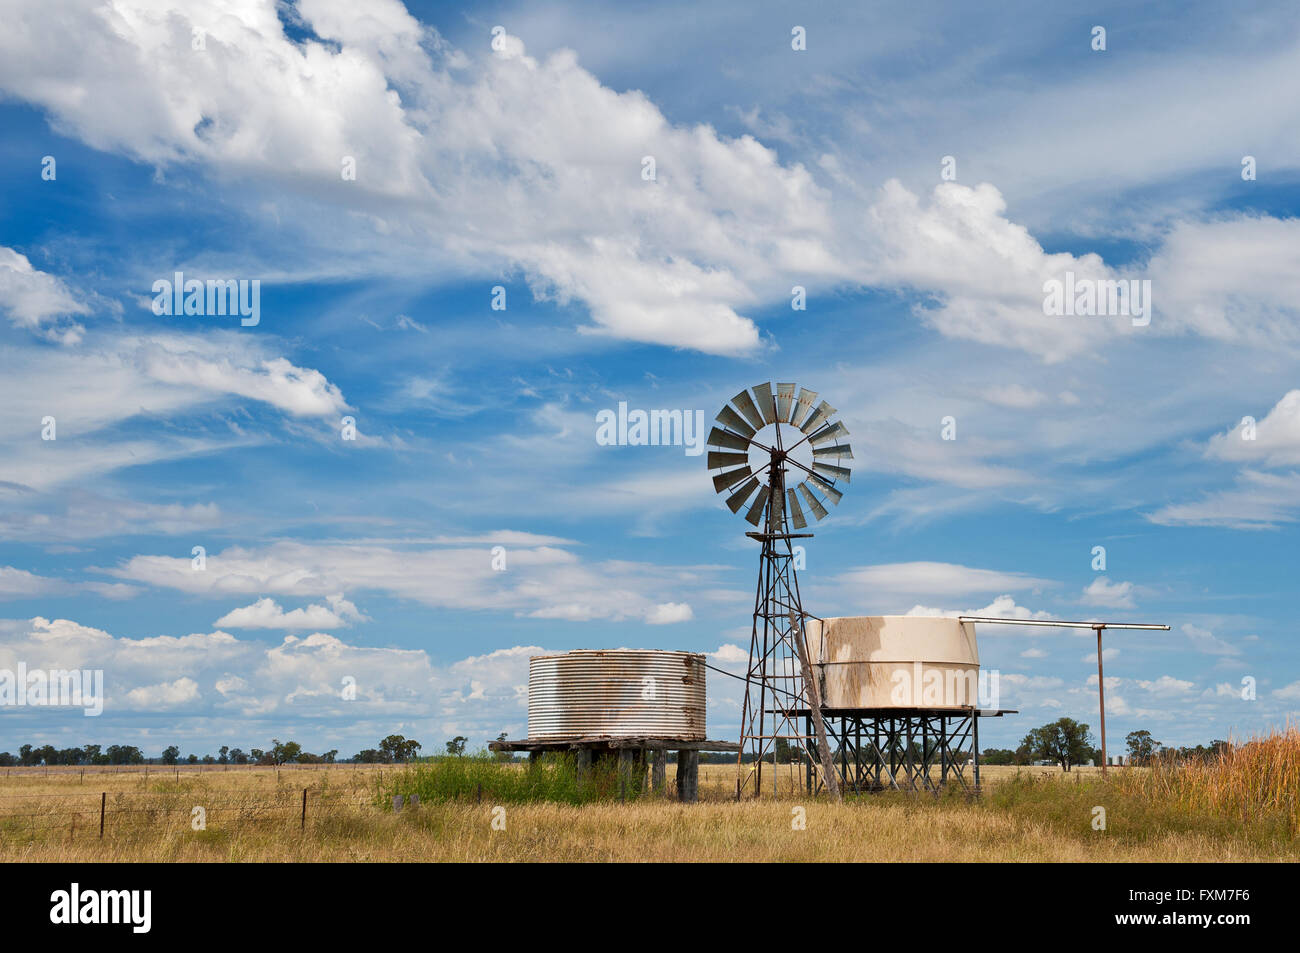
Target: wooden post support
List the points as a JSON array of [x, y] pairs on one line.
[[584, 764], [534, 757], [688, 776], [813, 697], [659, 771], [103, 802]]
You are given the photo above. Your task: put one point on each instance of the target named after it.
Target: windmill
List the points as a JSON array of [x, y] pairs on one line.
[[784, 451]]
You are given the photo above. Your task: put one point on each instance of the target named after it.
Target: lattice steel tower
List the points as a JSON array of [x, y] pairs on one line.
[[763, 440]]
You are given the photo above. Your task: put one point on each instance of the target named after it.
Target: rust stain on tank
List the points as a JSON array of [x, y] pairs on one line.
[[895, 661]]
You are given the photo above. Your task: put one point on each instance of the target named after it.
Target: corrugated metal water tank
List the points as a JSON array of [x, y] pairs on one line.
[[895, 661], [616, 693]]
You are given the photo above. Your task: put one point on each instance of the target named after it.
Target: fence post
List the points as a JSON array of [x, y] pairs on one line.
[[304, 809], [103, 799]]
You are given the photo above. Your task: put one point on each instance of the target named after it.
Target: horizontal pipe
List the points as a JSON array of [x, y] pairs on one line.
[[1067, 625]]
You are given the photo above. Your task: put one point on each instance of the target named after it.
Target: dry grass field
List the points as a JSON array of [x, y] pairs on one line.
[[1026, 814]]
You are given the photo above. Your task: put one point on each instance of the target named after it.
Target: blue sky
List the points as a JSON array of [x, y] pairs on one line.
[[521, 167]]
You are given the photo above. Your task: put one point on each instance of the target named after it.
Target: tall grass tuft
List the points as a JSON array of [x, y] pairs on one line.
[[482, 777], [1256, 783]]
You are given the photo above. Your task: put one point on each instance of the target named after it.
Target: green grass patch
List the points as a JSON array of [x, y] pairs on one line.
[[481, 777]]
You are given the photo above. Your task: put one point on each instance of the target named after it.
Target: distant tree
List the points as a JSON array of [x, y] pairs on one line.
[[399, 749], [369, 756], [125, 754], [329, 756], [1065, 741], [26, 756], [170, 754], [208, 759], [238, 757], [257, 756], [997, 756], [1200, 753], [223, 756], [1142, 748], [283, 753], [503, 755], [7, 760], [457, 745]]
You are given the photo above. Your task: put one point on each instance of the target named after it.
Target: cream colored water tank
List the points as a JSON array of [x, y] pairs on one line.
[[894, 661]]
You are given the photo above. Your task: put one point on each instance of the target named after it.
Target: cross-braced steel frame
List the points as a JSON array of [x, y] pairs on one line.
[[775, 694], [902, 750]]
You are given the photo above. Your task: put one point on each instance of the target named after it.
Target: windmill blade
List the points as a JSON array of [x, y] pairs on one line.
[[784, 399], [803, 406], [745, 404], [823, 413], [725, 438], [830, 491], [718, 460], [730, 478], [763, 397], [835, 473], [827, 433], [796, 513], [813, 504], [756, 510], [839, 450], [737, 499], [733, 421]]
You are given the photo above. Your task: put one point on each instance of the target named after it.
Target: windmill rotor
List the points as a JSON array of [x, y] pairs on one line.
[[754, 446]]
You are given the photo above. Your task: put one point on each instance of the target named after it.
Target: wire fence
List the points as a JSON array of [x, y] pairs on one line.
[[104, 814], [161, 770]]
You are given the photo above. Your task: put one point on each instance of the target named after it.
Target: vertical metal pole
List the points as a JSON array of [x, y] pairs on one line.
[[975, 744], [808, 764], [857, 754], [103, 800], [763, 584], [303, 826], [1101, 699], [925, 752]]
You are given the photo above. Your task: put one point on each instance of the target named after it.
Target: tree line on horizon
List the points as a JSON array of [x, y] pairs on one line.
[[1070, 743], [394, 749]]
